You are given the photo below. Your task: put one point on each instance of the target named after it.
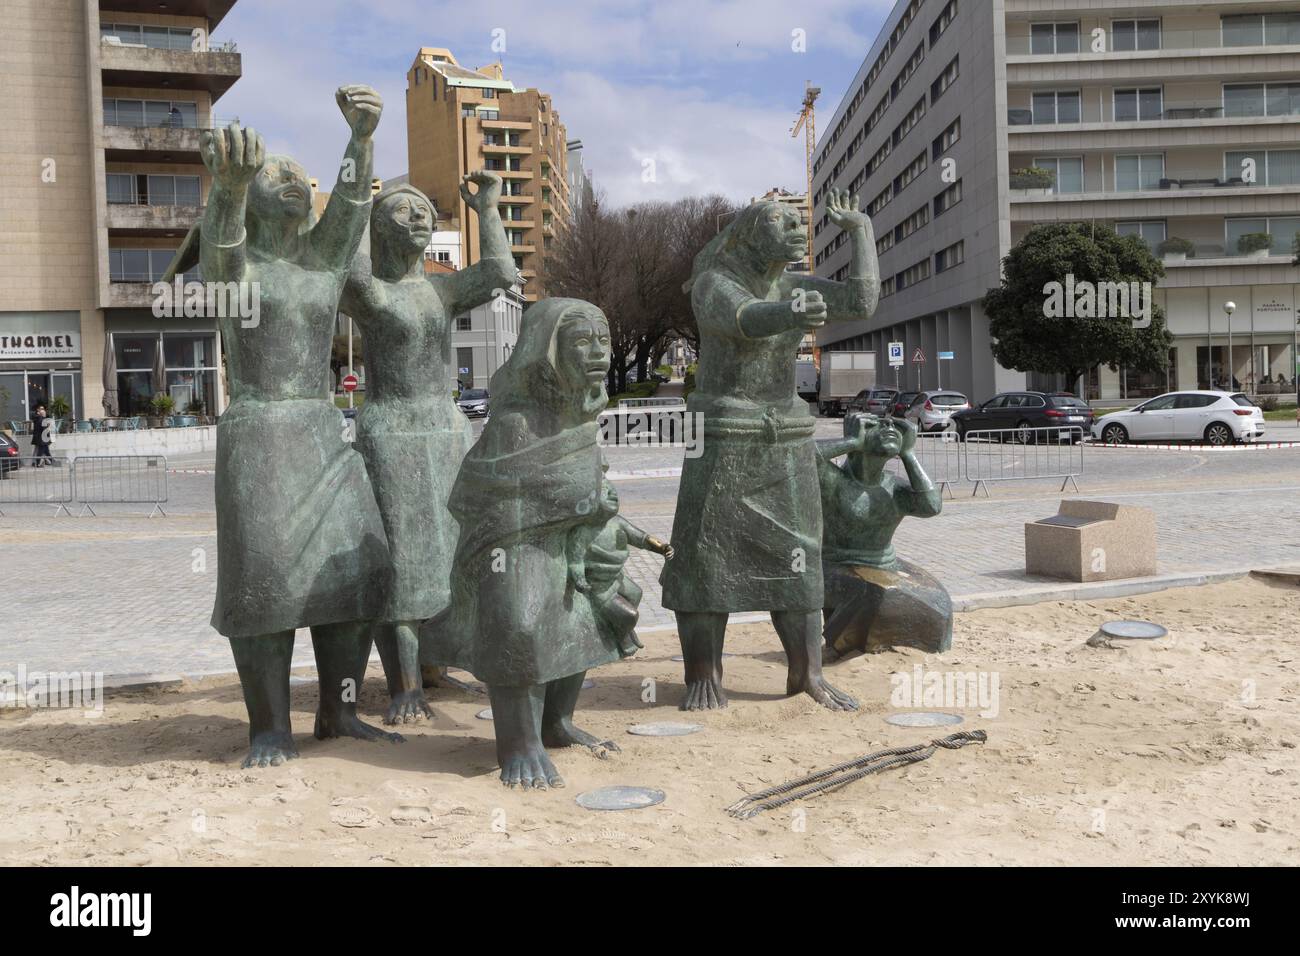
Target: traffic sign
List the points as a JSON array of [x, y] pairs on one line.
[[349, 383], [895, 353], [918, 356], [946, 356]]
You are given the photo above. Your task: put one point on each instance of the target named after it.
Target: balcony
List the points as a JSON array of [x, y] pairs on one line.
[[129, 295], [523, 248], [139, 219], [214, 11], [513, 173], [519, 223], [1164, 42], [517, 200], [141, 67], [506, 124], [152, 144], [505, 149]]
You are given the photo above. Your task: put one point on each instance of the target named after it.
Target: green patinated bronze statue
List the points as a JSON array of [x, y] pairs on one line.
[[748, 526], [299, 538], [874, 600], [410, 432], [538, 592]]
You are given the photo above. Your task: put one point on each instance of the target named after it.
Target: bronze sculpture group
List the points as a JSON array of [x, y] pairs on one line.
[[507, 558]]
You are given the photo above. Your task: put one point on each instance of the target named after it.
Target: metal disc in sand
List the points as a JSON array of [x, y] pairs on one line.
[[664, 728], [484, 714], [923, 719], [620, 798], [1133, 630], [588, 684]]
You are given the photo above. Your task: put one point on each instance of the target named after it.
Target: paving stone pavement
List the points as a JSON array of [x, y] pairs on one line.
[[122, 593]]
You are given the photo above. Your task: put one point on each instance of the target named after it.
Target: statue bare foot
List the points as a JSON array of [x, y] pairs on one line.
[[704, 694], [407, 706], [562, 733], [432, 676], [270, 749], [530, 767], [347, 724], [820, 690]]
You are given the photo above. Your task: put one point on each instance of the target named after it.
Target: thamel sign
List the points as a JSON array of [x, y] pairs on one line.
[[40, 345]]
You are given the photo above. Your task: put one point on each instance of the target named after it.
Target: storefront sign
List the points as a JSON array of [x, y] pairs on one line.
[[30, 335]]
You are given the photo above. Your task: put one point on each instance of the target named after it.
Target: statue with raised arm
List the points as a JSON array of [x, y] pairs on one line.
[[748, 528], [410, 431], [875, 600], [538, 591], [299, 538]]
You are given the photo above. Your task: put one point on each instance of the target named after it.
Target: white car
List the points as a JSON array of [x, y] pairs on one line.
[[932, 411], [1218, 418]]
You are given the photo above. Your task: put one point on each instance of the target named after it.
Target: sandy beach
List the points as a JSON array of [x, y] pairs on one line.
[[1176, 751]]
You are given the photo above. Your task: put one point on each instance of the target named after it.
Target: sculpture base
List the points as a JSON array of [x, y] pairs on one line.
[[870, 609]]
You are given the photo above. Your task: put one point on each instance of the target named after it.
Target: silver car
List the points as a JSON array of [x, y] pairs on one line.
[[932, 411]]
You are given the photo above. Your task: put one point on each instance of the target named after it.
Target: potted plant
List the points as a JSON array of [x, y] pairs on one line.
[[1032, 180], [1176, 249], [1255, 244], [162, 405]]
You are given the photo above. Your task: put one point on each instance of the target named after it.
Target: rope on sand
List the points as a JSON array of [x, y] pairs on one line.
[[824, 781]]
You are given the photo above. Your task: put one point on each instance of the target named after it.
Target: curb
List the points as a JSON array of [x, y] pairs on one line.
[[1244, 446], [1099, 590]]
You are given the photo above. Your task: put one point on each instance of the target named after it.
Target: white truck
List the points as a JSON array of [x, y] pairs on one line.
[[805, 379], [844, 375]]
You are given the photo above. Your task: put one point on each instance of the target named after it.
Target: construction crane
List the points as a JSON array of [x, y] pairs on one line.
[[807, 123]]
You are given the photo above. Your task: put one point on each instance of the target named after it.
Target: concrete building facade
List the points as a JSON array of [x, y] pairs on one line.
[[1164, 119], [460, 120], [100, 179]]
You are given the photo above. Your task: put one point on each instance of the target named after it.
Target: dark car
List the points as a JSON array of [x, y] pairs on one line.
[[473, 402], [9, 456], [902, 402], [1018, 413]]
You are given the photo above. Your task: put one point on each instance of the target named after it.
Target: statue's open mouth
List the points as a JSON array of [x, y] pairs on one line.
[[294, 193]]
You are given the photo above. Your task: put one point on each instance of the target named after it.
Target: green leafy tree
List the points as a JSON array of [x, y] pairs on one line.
[[1044, 321]]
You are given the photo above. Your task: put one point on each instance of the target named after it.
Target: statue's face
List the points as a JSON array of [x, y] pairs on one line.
[[883, 438], [406, 221], [280, 191], [780, 235], [582, 350]]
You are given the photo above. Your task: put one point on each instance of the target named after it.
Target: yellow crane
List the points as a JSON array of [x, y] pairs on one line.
[[807, 123]]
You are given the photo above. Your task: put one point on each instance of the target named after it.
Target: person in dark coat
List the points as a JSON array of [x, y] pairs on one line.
[[42, 428]]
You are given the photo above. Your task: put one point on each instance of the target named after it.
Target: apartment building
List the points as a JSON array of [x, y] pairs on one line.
[[100, 179], [1165, 120], [460, 120]]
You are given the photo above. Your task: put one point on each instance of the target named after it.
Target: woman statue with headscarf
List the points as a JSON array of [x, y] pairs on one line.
[[299, 538], [748, 526], [537, 588], [410, 431]]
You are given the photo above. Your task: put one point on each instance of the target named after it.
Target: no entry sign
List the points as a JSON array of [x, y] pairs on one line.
[[349, 383]]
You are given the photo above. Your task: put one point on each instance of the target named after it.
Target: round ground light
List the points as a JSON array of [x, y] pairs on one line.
[[620, 798], [923, 719], [484, 714], [1133, 630], [666, 728]]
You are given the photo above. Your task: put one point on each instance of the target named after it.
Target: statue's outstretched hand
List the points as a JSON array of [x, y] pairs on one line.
[[233, 155], [362, 107], [489, 190], [844, 211]]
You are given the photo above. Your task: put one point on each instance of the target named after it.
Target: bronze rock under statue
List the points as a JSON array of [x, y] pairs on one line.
[[538, 593], [410, 432], [874, 600], [299, 537], [748, 526]]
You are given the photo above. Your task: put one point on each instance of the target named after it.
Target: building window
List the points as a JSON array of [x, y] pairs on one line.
[[1261, 99], [913, 117], [1056, 107], [488, 93], [885, 243], [1282, 228], [1134, 35], [1257, 29], [1068, 170], [912, 223], [947, 199], [189, 364], [880, 202], [141, 265], [489, 114], [464, 323], [878, 160], [954, 255], [943, 21], [909, 68], [886, 287], [946, 79], [1145, 104], [1139, 171], [1151, 232], [159, 38], [468, 112], [913, 274], [915, 168], [1054, 38], [141, 113], [1272, 167], [945, 140]]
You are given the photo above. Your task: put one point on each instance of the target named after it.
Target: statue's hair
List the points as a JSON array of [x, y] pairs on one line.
[[725, 252]]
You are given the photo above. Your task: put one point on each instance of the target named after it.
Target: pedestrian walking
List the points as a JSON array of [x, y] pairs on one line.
[[42, 437]]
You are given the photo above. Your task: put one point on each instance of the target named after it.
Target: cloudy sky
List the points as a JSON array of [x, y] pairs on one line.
[[708, 89]]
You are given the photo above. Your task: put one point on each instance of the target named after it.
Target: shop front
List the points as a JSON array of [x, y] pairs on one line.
[[183, 365], [40, 362]]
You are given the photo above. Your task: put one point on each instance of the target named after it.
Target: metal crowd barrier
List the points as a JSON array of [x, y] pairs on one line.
[[1018, 454], [23, 484], [940, 455], [120, 479]]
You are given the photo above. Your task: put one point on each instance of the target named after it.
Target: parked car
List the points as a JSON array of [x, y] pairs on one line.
[[876, 401], [9, 456], [902, 402], [1021, 412], [1219, 418], [931, 411], [473, 402]]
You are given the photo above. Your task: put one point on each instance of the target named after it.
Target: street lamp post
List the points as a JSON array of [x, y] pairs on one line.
[[1229, 308]]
